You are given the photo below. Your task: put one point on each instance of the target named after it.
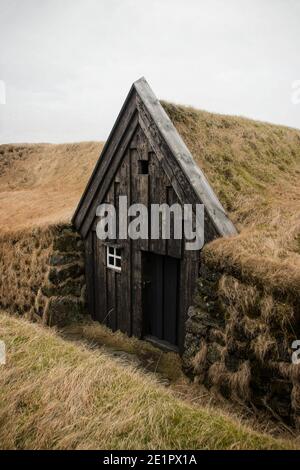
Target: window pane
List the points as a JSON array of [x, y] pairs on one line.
[[111, 250], [118, 252], [111, 260], [118, 262]]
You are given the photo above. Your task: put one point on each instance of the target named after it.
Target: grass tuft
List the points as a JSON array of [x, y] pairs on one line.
[[60, 395]]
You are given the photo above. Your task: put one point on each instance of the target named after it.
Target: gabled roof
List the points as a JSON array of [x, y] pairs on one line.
[[141, 107]]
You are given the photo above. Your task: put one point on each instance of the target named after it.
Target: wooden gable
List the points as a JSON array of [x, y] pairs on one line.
[[142, 110], [146, 160]]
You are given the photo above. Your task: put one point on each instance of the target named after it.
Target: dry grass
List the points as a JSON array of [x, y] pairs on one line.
[[59, 395], [167, 368], [199, 361], [238, 382], [254, 168], [24, 268], [165, 364], [41, 184], [23, 265]]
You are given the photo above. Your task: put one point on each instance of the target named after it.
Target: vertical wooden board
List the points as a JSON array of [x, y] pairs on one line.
[[157, 195], [134, 175], [139, 194], [111, 299], [110, 197], [96, 277], [143, 190], [124, 278], [139, 186], [142, 144], [174, 246], [136, 293], [158, 296], [95, 274], [108, 176], [170, 286], [99, 279], [117, 141], [89, 273], [135, 138], [123, 296], [110, 277], [146, 293], [116, 202]]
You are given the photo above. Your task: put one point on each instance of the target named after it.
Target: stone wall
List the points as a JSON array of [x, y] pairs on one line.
[[238, 340], [42, 275], [62, 297]]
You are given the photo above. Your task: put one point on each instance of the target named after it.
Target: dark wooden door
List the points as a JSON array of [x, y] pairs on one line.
[[160, 281]]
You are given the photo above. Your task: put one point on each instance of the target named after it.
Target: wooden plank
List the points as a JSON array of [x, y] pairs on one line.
[[117, 133], [139, 185], [148, 105], [95, 276], [178, 179], [143, 181], [157, 195], [108, 177], [100, 279], [142, 144], [136, 267], [110, 277], [173, 246], [136, 293], [170, 286], [89, 274], [143, 194], [124, 278], [111, 299], [157, 292], [152, 294]]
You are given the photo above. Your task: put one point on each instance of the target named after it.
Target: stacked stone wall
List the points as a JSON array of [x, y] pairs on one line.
[[239, 341]]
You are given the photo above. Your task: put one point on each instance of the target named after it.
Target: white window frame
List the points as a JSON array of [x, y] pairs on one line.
[[112, 257]]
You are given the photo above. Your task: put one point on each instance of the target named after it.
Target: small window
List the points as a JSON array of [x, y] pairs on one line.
[[113, 257], [143, 167]]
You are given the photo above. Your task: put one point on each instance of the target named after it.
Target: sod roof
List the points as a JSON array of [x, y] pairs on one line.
[[253, 167]]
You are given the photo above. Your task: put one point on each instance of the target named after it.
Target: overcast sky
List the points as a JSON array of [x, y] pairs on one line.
[[67, 65]]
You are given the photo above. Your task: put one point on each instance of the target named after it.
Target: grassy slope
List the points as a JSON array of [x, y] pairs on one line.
[[59, 395], [41, 184], [254, 168], [56, 394]]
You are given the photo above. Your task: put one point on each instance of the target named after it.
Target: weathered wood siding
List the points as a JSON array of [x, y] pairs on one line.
[[115, 298]]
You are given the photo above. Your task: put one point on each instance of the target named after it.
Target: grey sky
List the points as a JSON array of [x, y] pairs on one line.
[[68, 64]]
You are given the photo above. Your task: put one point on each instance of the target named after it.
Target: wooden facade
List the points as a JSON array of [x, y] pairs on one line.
[[145, 160]]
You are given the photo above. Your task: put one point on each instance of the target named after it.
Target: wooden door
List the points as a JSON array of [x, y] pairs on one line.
[[160, 281]]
